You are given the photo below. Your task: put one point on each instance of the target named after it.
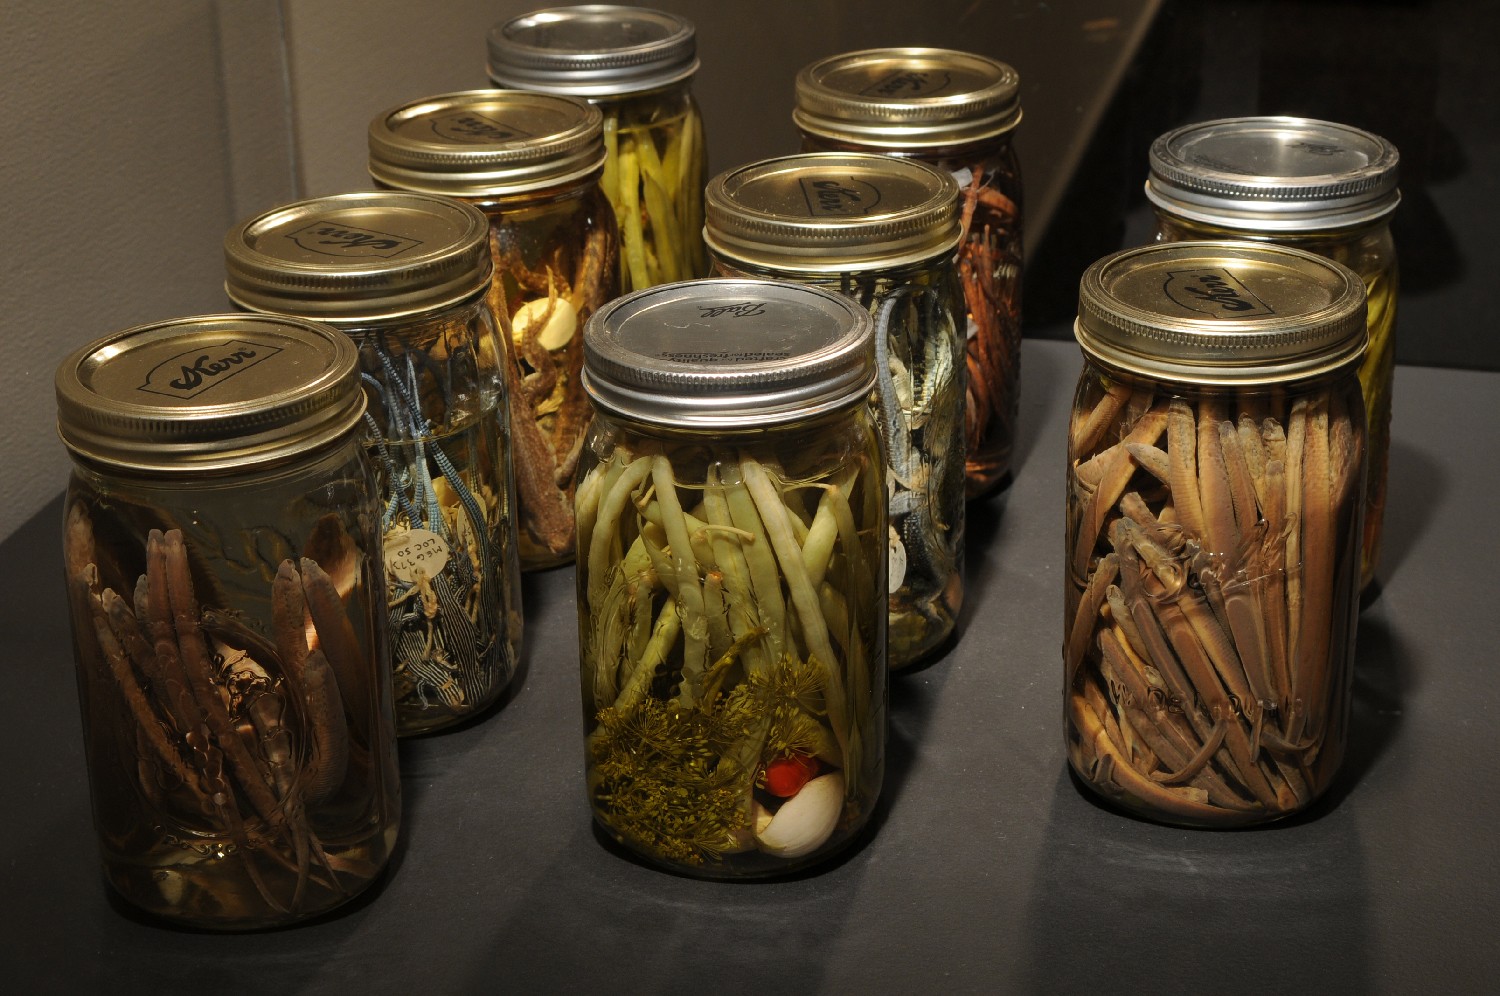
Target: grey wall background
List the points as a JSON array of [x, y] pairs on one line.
[[135, 135]]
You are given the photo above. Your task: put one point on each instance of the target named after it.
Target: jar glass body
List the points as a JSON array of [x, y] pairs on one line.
[[437, 434], [990, 267], [734, 697], [656, 164], [556, 260], [1213, 540], [1369, 251], [242, 762], [920, 413]]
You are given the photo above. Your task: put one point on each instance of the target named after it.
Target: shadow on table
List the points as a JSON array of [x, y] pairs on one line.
[[1121, 905], [1416, 485], [599, 921]]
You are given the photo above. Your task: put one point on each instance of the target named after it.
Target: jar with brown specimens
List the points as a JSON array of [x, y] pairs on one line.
[[222, 551], [405, 276], [531, 162], [1316, 185], [1216, 456], [636, 65], [956, 111], [883, 232], [731, 579]]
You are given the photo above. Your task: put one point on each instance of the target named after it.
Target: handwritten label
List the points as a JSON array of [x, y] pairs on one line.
[[830, 198], [739, 309], [408, 550], [330, 238], [1214, 291], [189, 374], [475, 129], [1317, 148], [909, 83]]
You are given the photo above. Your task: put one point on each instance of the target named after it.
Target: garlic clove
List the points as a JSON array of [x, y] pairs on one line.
[[559, 329], [806, 820]]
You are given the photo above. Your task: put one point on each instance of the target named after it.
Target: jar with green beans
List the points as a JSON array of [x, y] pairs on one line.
[[731, 576], [1216, 453], [1316, 185], [531, 162], [956, 111], [636, 65], [405, 276], [883, 232], [222, 558]]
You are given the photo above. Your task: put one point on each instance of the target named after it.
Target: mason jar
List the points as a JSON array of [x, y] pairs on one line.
[[1316, 185], [531, 162], [405, 276], [636, 65], [1216, 459], [731, 576], [956, 111], [882, 232], [223, 568]]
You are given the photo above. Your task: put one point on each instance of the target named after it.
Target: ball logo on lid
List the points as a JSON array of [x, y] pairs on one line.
[[736, 309], [190, 373], [470, 128], [844, 198], [332, 238], [908, 83], [1214, 291]]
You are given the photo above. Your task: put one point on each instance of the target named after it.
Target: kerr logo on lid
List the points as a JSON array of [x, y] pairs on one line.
[[830, 198], [909, 83], [1216, 292], [475, 129], [332, 238], [190, 373]]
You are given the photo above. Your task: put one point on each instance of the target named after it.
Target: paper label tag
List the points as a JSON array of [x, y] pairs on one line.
[[895, 560], [408, 550]]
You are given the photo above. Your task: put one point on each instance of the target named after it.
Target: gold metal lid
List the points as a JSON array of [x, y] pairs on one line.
[[832, 212], [359, 257], [905, 98], [593, 50], [1221, 313], [479, 143], [729, 354], [209, 393], [1274, 174]]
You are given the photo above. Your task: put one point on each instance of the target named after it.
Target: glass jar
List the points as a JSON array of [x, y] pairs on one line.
[[223, 567], [731, 588], [1324, 187], [405, 275], [636, 65], [531, 162], [955, 111], [1216, 462], [884, 232]]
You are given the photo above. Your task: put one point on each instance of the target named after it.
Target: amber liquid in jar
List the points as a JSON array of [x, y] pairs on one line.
[[235, 689], [1214, 542], [732, 633], [556, 258], [1370, 252]]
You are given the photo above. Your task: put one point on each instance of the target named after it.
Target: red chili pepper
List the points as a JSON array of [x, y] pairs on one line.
[[786, 775]]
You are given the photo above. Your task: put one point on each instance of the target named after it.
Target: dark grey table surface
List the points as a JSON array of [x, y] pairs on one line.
[[988, 870]]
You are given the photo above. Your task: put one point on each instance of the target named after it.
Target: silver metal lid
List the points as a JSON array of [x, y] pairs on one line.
[[479, 143], [1221, 313], [832, 212], [359, 257], [593, 50], [906, 98], [1274, 174], [210, 393], [728, 354]]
